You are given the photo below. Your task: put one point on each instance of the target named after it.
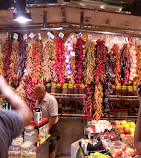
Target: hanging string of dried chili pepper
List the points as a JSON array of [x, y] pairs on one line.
[[100, 72], [79, 62], [1, 59], [138, 78], [59, 62], [89, 62], [98, 102], [125, 65], [133, 60], [23, 59], [107, 86], [14, 63], [48, 61], [117, 65], [6, 51], [88, 101]]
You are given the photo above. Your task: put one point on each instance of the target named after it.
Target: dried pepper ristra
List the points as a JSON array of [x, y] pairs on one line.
[[48, 60], [98, 113], [89, 62], [138, 78], [1, 60], [133, 64], [21, 89], [34, 74], [100, 72], [23, 59], [14, 63], [117, 65], [59, 62], [107, 86], [79, 62], [125, 65], [88, 101], [6, 51], [72, 64]]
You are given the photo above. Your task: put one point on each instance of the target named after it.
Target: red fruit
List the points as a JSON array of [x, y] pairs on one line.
[[121, 131], [127, 131]]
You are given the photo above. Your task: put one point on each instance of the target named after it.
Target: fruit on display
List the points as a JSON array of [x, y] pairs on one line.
[[132, 124], [117, 123], [118, 127], [127, 131], [126, 126], [116, 152], [121, 131], [123, 122], [132, 130], [122, 136]]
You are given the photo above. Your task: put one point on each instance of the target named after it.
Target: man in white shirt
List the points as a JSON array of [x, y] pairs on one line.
[[49, 107]]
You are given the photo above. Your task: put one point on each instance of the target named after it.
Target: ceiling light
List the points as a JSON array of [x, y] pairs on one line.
[[102, 7], [22, 17], [21, 13]]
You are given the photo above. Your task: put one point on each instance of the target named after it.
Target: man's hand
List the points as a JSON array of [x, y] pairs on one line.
[[15, 101]]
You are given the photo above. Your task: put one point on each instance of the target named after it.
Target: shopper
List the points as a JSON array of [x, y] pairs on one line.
[[49, 107], [137, 136], [11, 122]]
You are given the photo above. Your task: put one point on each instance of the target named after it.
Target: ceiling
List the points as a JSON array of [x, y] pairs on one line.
[[132, 6], [78, 15]]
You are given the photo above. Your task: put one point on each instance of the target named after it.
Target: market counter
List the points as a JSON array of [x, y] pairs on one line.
[[43, 150]]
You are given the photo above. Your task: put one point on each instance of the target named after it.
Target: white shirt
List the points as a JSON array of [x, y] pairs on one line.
[[49, 106]]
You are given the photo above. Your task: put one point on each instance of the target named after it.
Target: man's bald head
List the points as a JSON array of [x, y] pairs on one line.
[[39, 91]]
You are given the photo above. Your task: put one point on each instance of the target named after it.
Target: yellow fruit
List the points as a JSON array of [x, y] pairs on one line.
[[123, 122], [132, 124], [125, 126], [132, 130], [132, 134]]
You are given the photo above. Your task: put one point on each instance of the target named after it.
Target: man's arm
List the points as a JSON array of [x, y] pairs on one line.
[[51, 121], [137, 136], [15, 101]]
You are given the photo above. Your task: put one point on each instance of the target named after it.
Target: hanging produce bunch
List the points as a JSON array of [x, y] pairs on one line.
[[59, 62], [133, 60], [79, 62], [48, 60], [117, 63], [88, 101], [1, 59], [138, 78], [98, 96], [69, 49], [89, 62], [125, 65], [22, 61], [6, 51], [72, 65], [14, 63], [34, 70], [107, 86], [100, 72]]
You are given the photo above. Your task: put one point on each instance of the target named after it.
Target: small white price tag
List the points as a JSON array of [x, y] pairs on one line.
[[39, 36], [72, 54], [61, 35], [90, 36], [1, 35], [15, 36], [79, 35], [115, 39], [50, 35], [25, 36], [125, 40], [32, 35]]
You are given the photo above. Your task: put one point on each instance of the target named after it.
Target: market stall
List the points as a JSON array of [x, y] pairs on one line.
[[93, 73]]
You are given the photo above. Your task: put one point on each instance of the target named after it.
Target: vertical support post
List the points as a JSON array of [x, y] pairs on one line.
[[45, 19], [81, 20]]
